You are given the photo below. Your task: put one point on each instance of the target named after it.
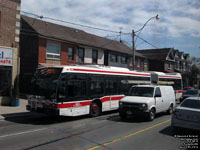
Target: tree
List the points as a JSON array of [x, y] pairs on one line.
[[195, 71]]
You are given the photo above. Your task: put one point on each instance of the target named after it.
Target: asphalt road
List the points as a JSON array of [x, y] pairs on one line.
[[82, 133]]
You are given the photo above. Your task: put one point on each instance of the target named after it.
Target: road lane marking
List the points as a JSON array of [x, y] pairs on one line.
[[20, 133], [129, 135]]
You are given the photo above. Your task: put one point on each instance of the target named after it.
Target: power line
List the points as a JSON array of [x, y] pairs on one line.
[[146, 41], [141, 39], [110, 41], [81, 25], [54, 19], [139, 44]]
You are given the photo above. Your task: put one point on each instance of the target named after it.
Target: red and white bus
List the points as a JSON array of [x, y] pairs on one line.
[[80, 90]]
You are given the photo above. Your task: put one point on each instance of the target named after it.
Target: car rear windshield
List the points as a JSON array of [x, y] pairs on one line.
[[189, 103]]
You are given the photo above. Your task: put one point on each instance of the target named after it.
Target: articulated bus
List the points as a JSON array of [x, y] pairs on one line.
[[81, 90]]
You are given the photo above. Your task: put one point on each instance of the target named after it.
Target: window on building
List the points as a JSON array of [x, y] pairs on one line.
[[131, 61], [177, 65], [81, 52], [123, 60], [184, 66], [53, 51], [70, 54], [94, 56], [169, 66], [139, 62], [113, 58]]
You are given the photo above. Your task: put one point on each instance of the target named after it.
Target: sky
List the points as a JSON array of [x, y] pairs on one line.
[[178, 26]]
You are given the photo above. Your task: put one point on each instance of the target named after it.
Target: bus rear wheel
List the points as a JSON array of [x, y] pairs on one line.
[[95, 110]]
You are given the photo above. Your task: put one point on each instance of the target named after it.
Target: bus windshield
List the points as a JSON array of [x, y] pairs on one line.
[[141, 91], [45, 81]]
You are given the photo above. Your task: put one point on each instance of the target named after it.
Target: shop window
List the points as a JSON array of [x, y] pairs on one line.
[[53, 51], [5, 82]]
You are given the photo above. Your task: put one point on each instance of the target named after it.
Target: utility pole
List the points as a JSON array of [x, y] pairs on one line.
[[133, 47], [133, 38]]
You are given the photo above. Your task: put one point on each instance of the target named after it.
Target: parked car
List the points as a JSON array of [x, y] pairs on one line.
[[187, 114], [147, 100], [190, 93]]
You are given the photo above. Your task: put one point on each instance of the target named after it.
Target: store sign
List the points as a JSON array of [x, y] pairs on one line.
[[6, 56]]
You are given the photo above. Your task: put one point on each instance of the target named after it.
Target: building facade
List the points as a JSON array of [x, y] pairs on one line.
[[9, 50]]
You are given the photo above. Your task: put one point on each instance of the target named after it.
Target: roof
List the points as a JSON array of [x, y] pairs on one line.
[[159, 54], [73, 35]]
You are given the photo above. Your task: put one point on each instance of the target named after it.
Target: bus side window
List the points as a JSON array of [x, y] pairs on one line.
[[96, 85], [124, 86], [112, 85], [76, 86]]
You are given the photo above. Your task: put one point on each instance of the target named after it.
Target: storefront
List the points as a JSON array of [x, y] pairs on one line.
[[6, 69]]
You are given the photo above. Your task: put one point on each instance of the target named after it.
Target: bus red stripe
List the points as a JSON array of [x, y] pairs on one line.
[[74, 104], [179, 91], [117, 98], [104, 99], [112, 72]]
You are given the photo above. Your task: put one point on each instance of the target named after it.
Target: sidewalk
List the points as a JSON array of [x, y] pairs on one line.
[[12, 112]]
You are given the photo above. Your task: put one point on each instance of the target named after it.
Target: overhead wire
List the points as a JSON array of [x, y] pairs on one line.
[[96, 28], [54, 19]]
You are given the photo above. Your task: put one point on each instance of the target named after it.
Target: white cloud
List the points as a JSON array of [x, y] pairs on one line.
[[178, 18]]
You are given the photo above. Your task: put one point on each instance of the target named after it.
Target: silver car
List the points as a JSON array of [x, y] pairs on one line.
[[187, 114]]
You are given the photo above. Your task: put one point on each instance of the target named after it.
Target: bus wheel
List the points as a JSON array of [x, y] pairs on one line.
[[94, 110]]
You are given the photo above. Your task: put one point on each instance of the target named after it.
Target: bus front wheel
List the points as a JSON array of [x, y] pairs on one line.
[[95, 110]]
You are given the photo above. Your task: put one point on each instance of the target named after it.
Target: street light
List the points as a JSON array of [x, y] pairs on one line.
[[133, 37]]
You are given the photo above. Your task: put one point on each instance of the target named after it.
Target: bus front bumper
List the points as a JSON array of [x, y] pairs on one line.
[[48, 111]]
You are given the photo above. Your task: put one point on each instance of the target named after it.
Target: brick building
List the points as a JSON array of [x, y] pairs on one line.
[[9, 49]]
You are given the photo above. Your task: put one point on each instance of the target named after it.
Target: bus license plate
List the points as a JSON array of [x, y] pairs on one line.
[[129, 112]]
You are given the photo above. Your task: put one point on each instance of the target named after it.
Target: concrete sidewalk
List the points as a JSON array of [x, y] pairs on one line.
[[12, 112]]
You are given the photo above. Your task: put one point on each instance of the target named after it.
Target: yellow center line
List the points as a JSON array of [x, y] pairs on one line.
[[129, 135]]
